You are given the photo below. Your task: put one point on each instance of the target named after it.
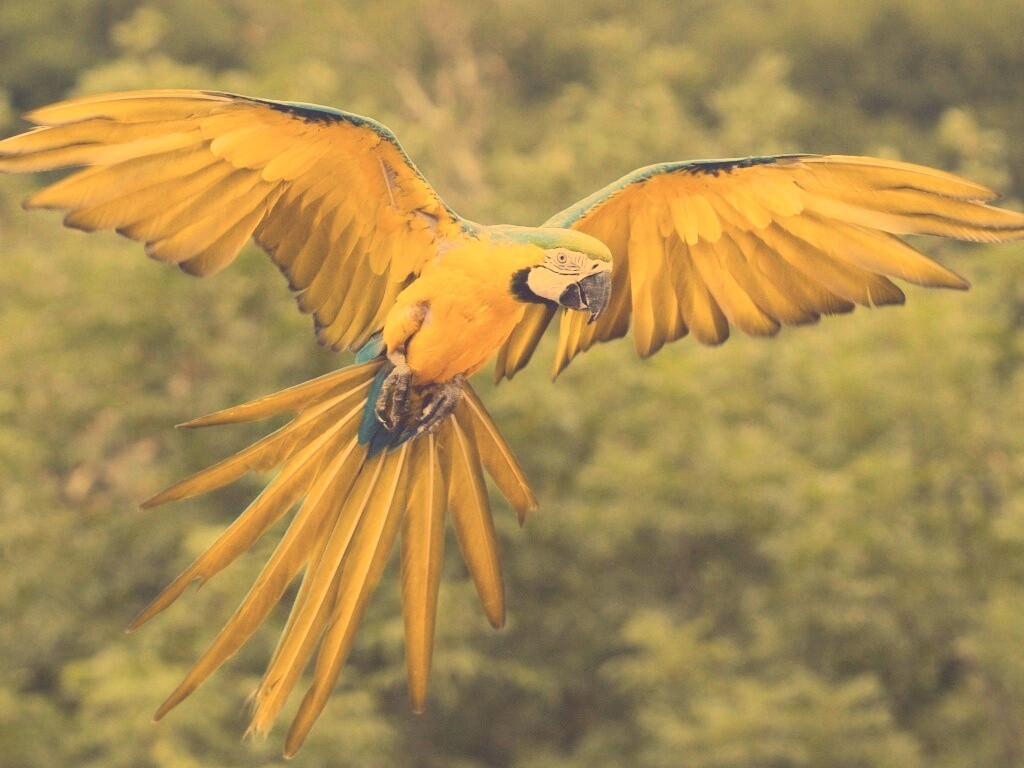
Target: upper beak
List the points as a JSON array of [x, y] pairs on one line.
[[590, 293]]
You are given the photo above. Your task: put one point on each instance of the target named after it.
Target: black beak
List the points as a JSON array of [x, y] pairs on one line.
[[590, 293]]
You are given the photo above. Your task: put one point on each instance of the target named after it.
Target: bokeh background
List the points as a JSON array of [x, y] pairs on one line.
[[806, 552]]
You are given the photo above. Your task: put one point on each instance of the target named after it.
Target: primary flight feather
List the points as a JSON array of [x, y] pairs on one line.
[[385, 449]]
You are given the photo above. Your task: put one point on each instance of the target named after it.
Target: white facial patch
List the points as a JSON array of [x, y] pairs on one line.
[[560, 269], [566, 262], [548, 283]]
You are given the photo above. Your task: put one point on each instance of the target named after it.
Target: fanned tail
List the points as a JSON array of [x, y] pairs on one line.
[[352, 506]]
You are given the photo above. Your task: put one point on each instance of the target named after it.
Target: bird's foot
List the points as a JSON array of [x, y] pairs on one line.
[[442, 404], [393, 401]]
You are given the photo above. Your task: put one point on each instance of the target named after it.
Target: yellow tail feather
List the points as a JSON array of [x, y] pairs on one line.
[[422, 555], [351, 513]]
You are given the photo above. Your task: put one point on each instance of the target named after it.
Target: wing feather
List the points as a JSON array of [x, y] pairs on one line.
[[740, 256], [95, 186], [874, 251], [735, 303], [97, 154], [151, 224], [192, 175], [847, 281], [90, 132], [570, 331], [186, 241], [697, 305], [128, 107], [803, 288], [761, 242], [988, 229], [516, 351], [221, 252], [872, 173], [134, 203], [645, 244], [333, 278]]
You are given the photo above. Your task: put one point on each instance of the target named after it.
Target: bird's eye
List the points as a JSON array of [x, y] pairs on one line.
[[561, 258]]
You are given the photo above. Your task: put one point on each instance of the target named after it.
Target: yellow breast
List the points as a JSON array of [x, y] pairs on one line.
[[469, 309]]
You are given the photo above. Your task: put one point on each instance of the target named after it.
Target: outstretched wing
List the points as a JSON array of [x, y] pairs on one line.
[[759, 243], [331, 196]]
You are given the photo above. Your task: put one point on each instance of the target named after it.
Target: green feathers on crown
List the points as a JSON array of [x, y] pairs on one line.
[[551, 237]]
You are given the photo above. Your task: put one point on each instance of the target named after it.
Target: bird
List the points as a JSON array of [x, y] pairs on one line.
[[385, 451]]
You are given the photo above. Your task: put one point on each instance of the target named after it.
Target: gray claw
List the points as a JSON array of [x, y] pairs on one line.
[[394, 396], [445, 401]]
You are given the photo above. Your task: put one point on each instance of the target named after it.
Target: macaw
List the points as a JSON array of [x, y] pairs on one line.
[[388, 447]]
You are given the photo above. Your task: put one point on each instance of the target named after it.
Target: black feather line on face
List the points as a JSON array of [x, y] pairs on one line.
[[522, 291]]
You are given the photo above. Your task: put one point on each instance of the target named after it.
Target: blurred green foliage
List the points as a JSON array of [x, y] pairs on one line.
[[800, 553]]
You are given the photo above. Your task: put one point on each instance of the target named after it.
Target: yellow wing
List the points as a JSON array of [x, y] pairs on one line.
[[331, 196], [759, 243]]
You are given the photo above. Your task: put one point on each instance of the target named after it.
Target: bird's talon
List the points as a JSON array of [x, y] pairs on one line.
[[442, 406], [394, 397]]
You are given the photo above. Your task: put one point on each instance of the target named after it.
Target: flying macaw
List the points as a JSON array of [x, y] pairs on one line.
[[385, 448]]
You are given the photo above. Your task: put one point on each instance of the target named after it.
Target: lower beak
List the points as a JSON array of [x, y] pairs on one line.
[[590, 293]]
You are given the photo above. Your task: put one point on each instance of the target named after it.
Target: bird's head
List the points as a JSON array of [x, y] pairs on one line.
[[574, 272], [569, 278]]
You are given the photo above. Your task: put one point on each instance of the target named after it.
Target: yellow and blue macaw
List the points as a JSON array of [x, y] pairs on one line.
[[386, 448]]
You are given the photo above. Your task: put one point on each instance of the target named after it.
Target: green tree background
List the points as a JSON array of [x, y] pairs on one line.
[[800, 553]]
